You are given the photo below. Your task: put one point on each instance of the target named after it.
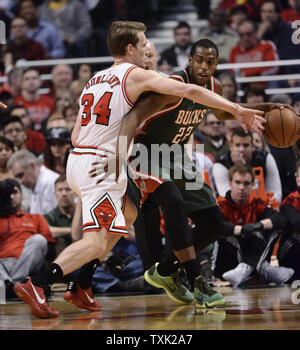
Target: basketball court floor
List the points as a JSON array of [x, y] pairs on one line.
[[275, 308]]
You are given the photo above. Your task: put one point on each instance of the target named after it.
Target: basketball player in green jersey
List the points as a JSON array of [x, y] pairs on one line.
[[169, 120]]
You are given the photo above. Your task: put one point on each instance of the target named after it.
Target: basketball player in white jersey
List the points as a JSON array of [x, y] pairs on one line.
[[107, 97]]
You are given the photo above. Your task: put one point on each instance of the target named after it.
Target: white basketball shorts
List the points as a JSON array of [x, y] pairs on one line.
[[102, 204]]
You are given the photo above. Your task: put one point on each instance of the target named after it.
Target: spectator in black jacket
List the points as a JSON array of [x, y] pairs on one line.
[[177, 55], [289, 248], [251, 228]]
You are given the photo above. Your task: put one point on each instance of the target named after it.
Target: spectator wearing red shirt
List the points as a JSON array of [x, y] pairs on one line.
[[35, 139], [252, 49], [23, 237], [251, 228], [39, 107], [291, 14]]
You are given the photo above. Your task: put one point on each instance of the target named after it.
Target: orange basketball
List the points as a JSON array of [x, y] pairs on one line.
[[282, 128]]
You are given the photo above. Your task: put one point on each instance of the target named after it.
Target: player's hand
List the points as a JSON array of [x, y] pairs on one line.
[[105, 167], [3, 105], [250, 119]]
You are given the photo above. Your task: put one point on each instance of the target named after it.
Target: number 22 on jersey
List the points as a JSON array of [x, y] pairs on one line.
[[101, 109]]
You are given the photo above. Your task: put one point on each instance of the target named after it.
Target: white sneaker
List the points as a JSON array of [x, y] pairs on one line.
[[277, 274], [239, 274]]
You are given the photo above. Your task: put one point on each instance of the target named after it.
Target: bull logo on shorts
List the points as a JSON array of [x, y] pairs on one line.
[[106, 216], [105, 213]]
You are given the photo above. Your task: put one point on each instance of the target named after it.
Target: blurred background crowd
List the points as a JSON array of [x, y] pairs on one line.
[[42, 104]]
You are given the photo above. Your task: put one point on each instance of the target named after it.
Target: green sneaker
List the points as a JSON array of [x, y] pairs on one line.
[[171, 284], [205, 296]]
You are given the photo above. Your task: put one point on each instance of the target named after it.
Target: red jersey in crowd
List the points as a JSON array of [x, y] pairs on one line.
[[265, 50], [17, 228], [38, 110], [293, 199], [289, 15], [250, 212]]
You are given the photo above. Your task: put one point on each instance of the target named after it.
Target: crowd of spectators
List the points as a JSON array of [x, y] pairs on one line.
[[35, 134]]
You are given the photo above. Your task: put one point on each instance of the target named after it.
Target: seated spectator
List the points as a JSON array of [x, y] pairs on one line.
[[60, 218], [281, 98], [252, 6], [70, 115], [251, 227], [119, 272], [74, 29], [289, 247], [259, 141], [14, 81], [177, 55], [63, 98], [23, 237], [35, 139], [292, 13], [237, 15], [229, 86], [6, 97], [56, 120], [62, 77], [252, 49], [242, 150], [215, 143], [6, 150], [38, 106], [14, 130], [274, 29], [58, 143], [286, 159], [44, 32], [218, 31], [84, 73], [22, 47], [255, 94], [76, 88], [296, 104], [40, 180]]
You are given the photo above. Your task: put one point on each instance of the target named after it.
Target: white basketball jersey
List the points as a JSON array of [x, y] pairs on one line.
[[103, 104]]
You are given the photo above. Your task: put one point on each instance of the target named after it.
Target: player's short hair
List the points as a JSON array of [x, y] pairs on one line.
[[241, 169], [123, 33], [206, 43]]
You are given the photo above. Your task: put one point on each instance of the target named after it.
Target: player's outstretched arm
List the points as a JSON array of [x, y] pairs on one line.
[[3, 105], [147, 105], [244, 114]]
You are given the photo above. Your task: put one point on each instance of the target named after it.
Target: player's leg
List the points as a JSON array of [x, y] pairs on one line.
[[79, 290], [165, 273]]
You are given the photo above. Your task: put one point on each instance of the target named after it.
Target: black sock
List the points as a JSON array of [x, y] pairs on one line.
[[168, 265], [192, 269], [85, 275], [48, 277]]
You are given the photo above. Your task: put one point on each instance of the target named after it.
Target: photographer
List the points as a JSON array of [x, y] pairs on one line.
[[251, 229], [23, 237]]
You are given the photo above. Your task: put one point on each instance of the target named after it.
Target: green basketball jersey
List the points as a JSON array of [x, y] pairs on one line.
[[176, 123], [173, 126]]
